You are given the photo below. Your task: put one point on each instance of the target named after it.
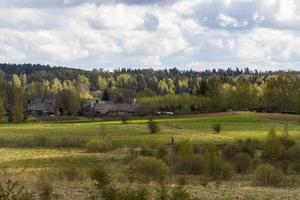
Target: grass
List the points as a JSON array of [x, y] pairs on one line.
[[36, 148], [134, 133]]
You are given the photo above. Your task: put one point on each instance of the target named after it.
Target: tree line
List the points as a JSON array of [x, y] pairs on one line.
[[156, 90]]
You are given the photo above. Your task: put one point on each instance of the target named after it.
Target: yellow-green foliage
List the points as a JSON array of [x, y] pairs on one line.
[[96, 145], [267, 175], [148, 168]]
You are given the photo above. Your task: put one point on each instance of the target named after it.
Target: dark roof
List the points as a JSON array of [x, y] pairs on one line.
[[113, 107], [42, 105]]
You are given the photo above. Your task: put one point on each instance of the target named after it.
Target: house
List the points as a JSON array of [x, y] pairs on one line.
[[89, 104], [40, 107], [111, 108]]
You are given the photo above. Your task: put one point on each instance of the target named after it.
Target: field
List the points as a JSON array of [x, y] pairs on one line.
[[34, 150]]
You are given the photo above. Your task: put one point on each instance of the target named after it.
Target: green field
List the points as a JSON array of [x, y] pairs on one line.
[[31, 150], [135, 133]]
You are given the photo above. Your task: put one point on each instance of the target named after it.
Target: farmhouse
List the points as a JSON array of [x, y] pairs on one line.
[[40, 107], [111, 108]]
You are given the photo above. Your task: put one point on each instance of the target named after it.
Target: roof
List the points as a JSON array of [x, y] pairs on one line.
[[42, 105], [112, 107]]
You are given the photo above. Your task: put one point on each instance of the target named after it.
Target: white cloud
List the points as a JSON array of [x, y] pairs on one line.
[[139, 33]]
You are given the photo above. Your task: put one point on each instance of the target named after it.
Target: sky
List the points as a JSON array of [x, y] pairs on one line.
[[188, 34]]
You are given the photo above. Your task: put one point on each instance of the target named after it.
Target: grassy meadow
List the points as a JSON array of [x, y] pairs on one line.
[[35, 150]]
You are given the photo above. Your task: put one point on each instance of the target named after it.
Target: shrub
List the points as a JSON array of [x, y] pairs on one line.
[[162, 152], [242, 163], [293, 153], [267, 175], [147, 152], [216, 167], [294, 167], [147, 168], [184, 148], [14, 191], [273, 149], [231, 150], [191, 165], [153, 127], [101, 177], [96, 145], [216, 128]]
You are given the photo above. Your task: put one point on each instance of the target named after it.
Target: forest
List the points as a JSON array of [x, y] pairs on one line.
[[182, 92]]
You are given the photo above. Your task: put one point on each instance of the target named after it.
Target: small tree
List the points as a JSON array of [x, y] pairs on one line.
[[153, 127], [216, 128], [146, 168], [273, 149], [267, 175], [101, 177], [2, 108]]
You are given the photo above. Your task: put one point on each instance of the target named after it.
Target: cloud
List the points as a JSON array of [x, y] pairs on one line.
[[151, 33]]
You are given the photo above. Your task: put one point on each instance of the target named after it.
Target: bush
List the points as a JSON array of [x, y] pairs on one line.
[[231, 150], [184, 148], [147, 152], [267, 175], [216, 167], [294, 167], [273, 149], [242, 163], [96, 145], [190, 165], [293, 153], [147, 168], [162, 152], [216, 128], [101, 177], [153, 127]]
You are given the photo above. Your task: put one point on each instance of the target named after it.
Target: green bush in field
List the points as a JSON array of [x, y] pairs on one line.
[[242, 163], [97, 145], [147, 152], [294, 167], [267, 175], [101, 177], [162, 152], [248, 146], [273, 149], [190, 165], [216, 167], [147, 168], [153, 127], [184, 148], [293, 153], [216, 128]]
